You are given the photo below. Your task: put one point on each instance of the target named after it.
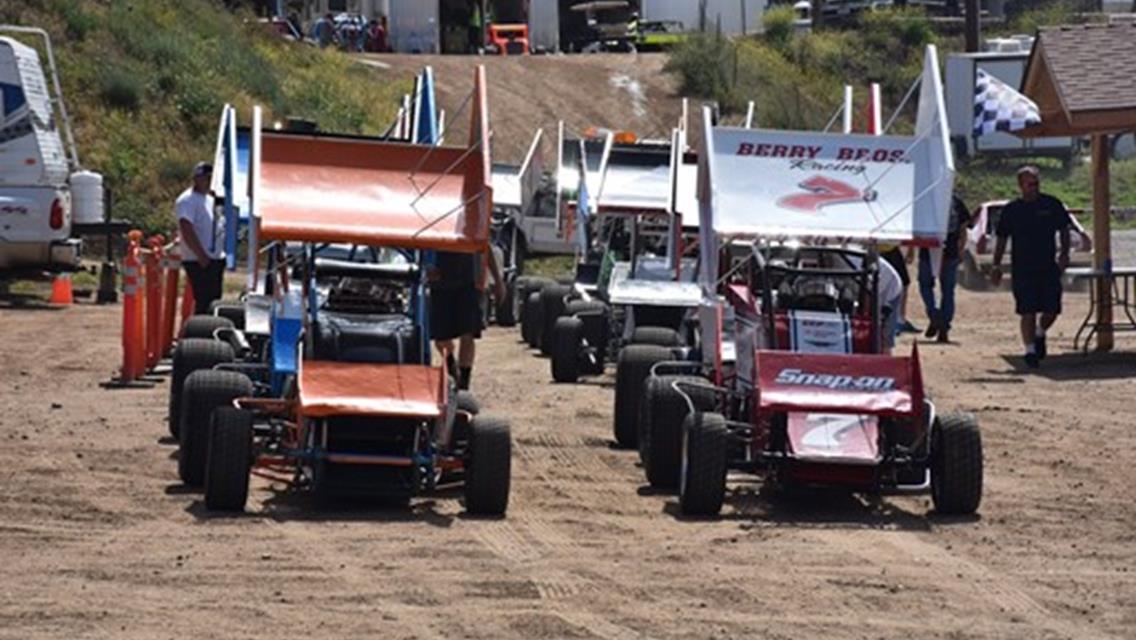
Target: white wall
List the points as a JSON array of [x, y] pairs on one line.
[[730, 12]]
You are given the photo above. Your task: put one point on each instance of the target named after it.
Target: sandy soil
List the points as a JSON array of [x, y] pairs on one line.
[[98, 539]]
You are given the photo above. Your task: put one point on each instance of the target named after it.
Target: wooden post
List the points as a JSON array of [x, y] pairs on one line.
[[973, 26], [1102, 249]]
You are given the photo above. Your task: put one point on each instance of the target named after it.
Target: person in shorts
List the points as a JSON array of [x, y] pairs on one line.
[[457, 285], [1032, 224]]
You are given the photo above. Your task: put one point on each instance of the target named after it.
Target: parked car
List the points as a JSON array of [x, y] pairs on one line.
[[978, 255]]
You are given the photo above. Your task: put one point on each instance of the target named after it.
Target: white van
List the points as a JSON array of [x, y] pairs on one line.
[[36, 180]]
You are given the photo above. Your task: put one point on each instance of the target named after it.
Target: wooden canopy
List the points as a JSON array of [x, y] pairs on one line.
[[1081, 78]]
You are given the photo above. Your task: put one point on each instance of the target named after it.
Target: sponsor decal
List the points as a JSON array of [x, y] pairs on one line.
[[833, 382], [822, 191]]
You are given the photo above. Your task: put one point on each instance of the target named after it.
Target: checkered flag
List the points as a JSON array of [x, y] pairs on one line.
[[997, 107]]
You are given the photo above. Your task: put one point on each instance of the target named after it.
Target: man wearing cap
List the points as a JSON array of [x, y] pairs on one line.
[[1032, 223], [202, 239]]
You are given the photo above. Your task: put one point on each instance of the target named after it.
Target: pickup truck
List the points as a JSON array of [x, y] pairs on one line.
[[39, 180]]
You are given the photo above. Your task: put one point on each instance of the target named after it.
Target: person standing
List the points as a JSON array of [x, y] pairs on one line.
[[457, 285], [888, 301], [893, 255], [202, 239], [1032, 223], [940, 316], [475, 25], [324, 31]]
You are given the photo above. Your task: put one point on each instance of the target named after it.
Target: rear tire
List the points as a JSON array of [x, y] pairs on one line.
[[552, 305], [507, 308], [190, 355], [706, 449], [595, 316], [229, 460], [204, 391], [566, 336], [488, 466], [632, 368], [231, 309], [661, 418], [204, 326], [956, 464], [661, 336]]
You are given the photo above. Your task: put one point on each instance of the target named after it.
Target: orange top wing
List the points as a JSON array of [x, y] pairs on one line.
[[325, 189]]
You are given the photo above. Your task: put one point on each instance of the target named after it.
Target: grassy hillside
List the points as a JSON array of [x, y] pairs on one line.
[[796, 82], [145, 80]]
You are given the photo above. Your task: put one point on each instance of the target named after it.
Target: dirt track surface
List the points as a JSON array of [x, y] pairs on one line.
[[99, 539], [618, 91]]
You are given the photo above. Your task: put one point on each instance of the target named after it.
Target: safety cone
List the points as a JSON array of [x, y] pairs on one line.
[[61, 290]]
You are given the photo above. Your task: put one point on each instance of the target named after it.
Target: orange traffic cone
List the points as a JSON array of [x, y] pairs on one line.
[[61, 290]]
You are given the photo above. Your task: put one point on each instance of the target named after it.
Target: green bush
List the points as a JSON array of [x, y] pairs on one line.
[[778, 23], [120, 88], [77, 20]]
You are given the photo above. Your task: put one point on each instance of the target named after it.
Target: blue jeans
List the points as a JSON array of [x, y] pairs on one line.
[[942, 314]]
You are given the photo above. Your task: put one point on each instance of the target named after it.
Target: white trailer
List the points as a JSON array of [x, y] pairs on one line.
[[736, 16], [1009, 68]]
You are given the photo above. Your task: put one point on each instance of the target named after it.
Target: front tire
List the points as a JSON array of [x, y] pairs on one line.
[[956, 464], [229, 460], [706, 449], [488, 467]]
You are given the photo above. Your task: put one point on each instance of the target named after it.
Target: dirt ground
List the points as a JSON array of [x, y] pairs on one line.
[[618, 91], [98, 538]]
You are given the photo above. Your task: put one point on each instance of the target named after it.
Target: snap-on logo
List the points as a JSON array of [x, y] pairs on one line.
[[834, 382]]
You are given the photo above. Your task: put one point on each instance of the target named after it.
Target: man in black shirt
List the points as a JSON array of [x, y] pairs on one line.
[[1032, 222], [456, 291], [941, 315]]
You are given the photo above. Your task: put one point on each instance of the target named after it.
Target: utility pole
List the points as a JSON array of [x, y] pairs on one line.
[[973, 27], [818, 14]]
